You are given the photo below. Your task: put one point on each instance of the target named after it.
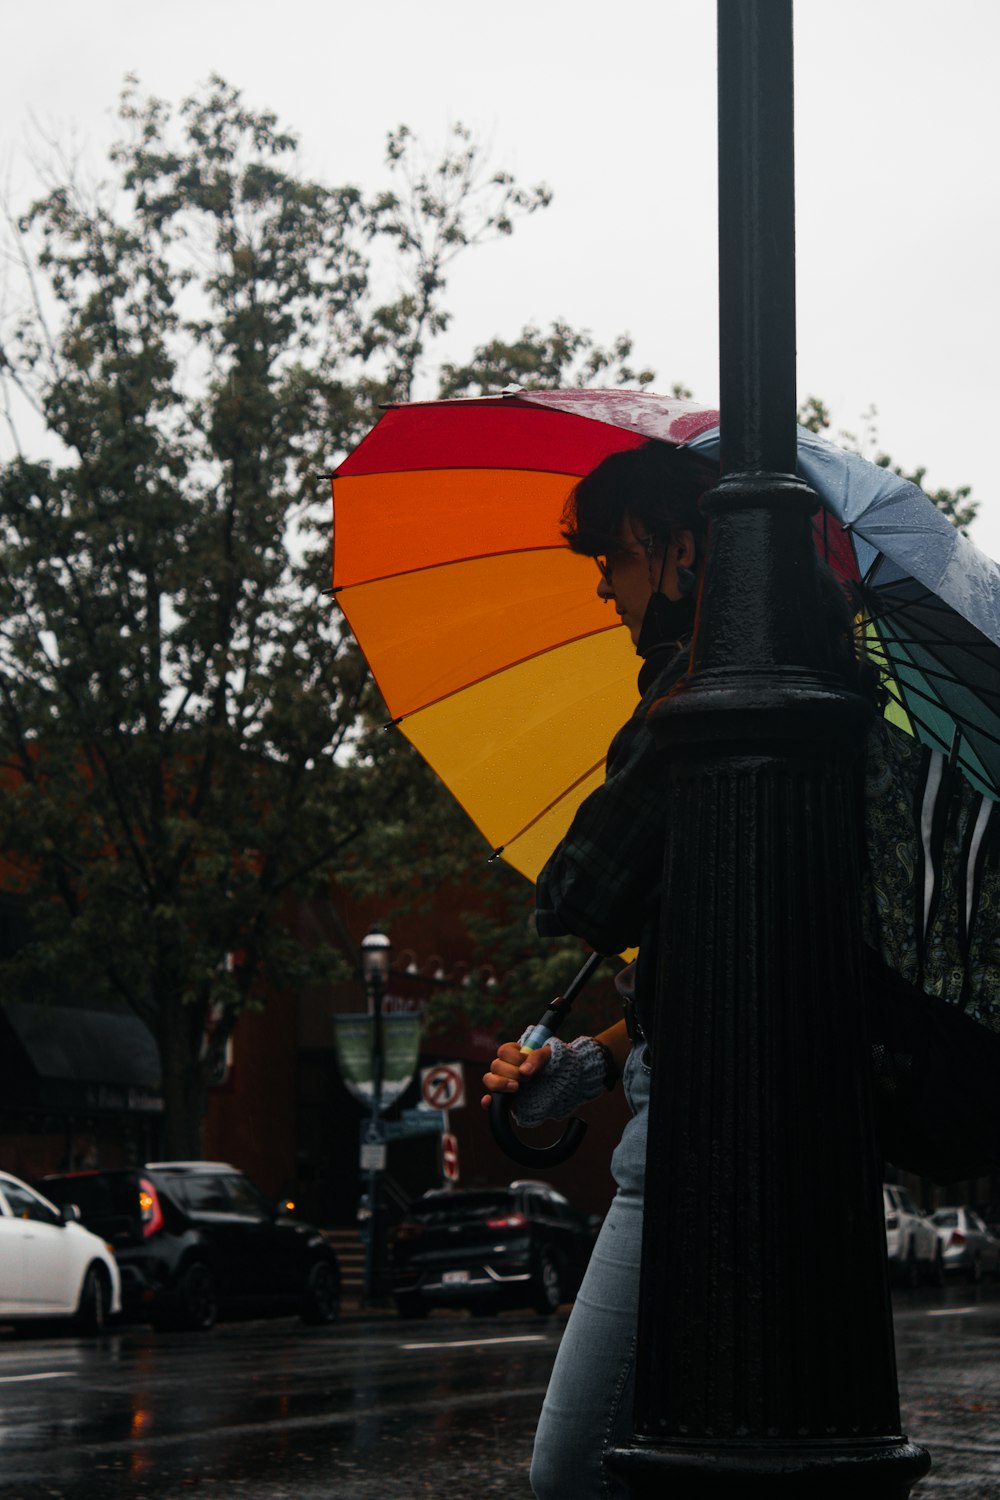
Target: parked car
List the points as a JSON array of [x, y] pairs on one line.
[[967, 1244], [912, 1242], [50, 1265], [487, 1248], [196, 1240]]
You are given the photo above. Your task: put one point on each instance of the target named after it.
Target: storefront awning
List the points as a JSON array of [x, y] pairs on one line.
[[69, 1057]]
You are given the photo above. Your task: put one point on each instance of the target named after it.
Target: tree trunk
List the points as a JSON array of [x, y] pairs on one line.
[[183, 1080]]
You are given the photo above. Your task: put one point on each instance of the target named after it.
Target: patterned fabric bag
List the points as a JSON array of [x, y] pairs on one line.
[[931, 918], [932, 887]]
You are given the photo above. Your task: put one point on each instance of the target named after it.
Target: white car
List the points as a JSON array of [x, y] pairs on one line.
[[967, 1243], [50, 1266], [911, 1239]]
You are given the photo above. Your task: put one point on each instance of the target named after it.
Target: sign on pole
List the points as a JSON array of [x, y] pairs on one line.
[[442, 1087], [373, 1152], [449, 1157], [400, 1051]]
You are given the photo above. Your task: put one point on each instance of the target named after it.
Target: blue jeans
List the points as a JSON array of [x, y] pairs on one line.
[[588, 1405]]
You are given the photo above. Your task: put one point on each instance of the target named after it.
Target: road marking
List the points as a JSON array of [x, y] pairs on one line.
[[948, 1312], [45, 1375], [514, 1338]]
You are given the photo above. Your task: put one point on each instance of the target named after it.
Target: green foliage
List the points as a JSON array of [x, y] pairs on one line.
[[187, 737], [561, 357]]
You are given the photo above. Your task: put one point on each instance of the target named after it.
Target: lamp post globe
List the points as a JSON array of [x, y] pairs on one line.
[[375, 952]]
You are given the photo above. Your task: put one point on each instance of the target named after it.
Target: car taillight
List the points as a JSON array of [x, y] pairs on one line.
[[957, 1237], [892, 1221], [149, 1209], [409, 1231], [512, 1221]]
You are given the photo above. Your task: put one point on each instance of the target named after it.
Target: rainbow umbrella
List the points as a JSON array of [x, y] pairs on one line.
[[502, 667]]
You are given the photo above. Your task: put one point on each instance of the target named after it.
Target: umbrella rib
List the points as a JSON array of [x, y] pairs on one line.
[[968, 726], [449, 562], [566, 791], [980, 648], [936, 674], [903, 607], [507, 666]]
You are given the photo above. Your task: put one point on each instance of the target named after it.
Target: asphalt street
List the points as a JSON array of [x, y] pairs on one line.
[[377, 1409]]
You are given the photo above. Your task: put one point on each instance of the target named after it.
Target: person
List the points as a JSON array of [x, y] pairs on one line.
[[935, 1089], [638, 515]]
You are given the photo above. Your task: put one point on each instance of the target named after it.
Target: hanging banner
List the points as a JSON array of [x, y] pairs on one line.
[[400, 1051]]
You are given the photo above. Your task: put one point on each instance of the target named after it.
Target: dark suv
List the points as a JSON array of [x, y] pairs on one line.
[[194, 1240], [486, 1248]]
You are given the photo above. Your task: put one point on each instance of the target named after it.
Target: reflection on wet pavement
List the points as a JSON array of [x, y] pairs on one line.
[[377, 1409]]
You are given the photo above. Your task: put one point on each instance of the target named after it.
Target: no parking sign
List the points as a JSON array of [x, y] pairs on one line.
[[443, 1086]]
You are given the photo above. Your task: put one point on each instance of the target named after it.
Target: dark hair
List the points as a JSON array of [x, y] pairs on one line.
[[657, 484], [660, 486]]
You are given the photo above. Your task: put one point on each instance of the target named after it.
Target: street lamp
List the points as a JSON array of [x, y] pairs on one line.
[[764, 1360], [375, 949]]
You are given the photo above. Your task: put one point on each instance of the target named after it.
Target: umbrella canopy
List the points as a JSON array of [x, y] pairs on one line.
[[500, 664]]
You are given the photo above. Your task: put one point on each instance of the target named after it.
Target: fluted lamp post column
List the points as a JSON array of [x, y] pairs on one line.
[[375, 955], [765, 1361]]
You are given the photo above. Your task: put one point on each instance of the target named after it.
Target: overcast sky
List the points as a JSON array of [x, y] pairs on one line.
[[898, 196]]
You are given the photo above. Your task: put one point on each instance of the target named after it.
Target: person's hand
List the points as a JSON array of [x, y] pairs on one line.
[[509, 1065]]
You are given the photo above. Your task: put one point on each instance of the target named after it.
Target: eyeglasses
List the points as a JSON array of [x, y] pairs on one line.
[[606, 562]]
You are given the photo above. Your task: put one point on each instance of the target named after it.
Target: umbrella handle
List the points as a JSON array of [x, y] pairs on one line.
[[532, 1156], [504, 1133]]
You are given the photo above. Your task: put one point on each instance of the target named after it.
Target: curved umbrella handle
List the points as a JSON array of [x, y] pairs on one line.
[[532, 1156], [504, 1133]]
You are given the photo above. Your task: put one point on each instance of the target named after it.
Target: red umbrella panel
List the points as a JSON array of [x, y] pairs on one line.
[[483, 631]]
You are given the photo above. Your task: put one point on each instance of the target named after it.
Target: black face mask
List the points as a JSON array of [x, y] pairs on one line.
[[666, 622]]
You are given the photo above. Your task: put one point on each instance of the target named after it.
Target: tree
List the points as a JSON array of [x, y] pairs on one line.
[[185, 733]]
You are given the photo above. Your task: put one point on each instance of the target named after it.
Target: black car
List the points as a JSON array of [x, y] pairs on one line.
[[195, 1240], [486, 1248]]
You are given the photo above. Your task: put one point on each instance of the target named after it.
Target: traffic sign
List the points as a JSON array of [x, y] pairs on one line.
[[415, 1122], [449, 1157], [372, 1156], [443, 1086]]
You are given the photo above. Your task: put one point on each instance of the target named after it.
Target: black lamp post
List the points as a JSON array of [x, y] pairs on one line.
[[375, 950], [765, 1362]]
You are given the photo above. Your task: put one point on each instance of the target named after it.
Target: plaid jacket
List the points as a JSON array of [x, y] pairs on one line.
[[602, 881]]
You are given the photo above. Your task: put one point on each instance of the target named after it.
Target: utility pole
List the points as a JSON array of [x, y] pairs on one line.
[[375, 950], [765, 1361]]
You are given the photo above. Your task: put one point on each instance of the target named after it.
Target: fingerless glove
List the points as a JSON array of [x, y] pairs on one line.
[[573, 1075]]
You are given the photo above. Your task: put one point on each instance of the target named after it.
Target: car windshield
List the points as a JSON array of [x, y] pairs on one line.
[[946, 1218], [98, 1195], [461, 1206]]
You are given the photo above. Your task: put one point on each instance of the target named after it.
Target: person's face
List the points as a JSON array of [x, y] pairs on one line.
[[632, 572]]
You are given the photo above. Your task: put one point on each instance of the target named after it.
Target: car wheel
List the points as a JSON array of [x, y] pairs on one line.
[[547, 1285], [976, 1270], [92, 1309], [195, 1301], [321, 1303], [412, 1306]]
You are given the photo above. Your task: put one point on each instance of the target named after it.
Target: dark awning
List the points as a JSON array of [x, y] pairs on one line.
[[75, 1058]]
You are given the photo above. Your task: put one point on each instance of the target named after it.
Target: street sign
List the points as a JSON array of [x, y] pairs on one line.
[[414, 1122], [373, 1152], [442, 1087], [449, 1157]]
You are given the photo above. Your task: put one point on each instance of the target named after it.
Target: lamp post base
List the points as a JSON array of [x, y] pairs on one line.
[[877, 1469]]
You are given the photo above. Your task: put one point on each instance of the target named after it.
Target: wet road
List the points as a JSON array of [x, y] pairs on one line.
[[384, 1410]]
